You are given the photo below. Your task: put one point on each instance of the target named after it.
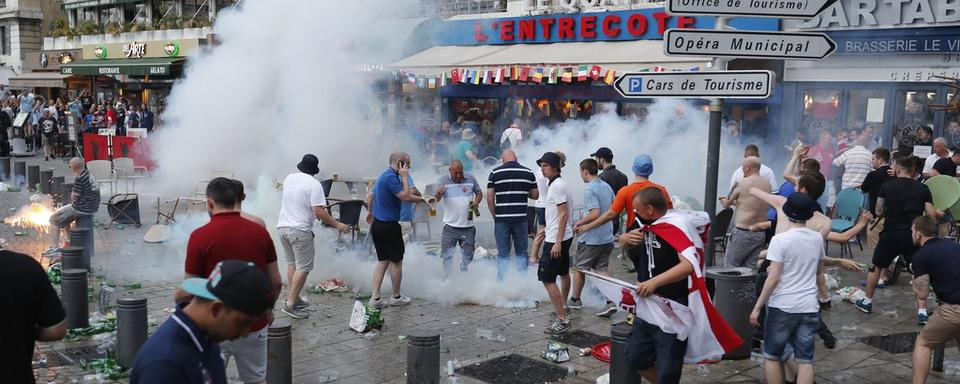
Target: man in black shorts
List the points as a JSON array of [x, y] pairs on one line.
[[557, 238], [900, 200], [390, 189]]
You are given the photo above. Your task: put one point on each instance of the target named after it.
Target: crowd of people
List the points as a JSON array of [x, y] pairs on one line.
[[780, 230]]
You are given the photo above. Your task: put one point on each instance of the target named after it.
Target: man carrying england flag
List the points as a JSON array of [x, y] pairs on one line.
[[668, 255]]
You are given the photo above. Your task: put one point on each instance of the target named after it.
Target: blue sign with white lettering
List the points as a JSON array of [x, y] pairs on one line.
[[910, 40], [635, 84], [636, 24]]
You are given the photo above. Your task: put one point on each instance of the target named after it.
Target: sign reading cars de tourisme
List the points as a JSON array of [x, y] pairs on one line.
[[714, 84]]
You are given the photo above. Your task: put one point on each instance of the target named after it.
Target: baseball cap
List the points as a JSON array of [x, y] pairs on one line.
[[643, 165], [550, 158], [238, 284], [603, 153], [799, 207]]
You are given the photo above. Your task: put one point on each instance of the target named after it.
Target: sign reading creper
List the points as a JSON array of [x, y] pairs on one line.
[[716, 84]]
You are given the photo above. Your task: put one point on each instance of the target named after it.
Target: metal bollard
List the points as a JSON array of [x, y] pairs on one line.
[[33, 176], [938, 358], [81, 237], [20, 172], [279, 352], [620, 372], [131, 328], [71, 257], [73, 287], [423, 356], [5, 168], [56, 188], [46, 180]]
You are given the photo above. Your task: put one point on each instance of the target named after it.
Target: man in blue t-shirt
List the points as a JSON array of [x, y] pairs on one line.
[[186, 348], [937, 264], [595, 246], [391, 189]]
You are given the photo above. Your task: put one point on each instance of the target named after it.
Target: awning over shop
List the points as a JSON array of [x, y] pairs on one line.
[[159, 66], [39, 79], [618, 55]]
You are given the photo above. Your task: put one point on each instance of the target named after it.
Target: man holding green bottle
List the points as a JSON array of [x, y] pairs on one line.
[[460, 195]]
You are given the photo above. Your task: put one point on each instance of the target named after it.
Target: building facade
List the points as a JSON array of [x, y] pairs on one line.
[[22, 27]]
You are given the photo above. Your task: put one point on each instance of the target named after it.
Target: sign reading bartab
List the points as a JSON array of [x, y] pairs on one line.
[[718, 84]]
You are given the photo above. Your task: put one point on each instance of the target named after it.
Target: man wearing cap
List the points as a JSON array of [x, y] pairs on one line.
[[465, 151], [228, 236], [508, 188], [558, 236], [303, 201], [390, 189], [642, 169], [790, 292], [745, 244], [186, 348], [610, 175]]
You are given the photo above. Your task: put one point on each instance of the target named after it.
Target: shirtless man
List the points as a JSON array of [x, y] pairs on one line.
[[745, 245]]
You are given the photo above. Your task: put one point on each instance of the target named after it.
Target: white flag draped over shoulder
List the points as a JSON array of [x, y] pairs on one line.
[[708, 335]]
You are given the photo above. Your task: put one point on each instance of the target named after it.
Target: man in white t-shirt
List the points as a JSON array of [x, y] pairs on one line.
[[940, 151], [540, 204], [302, 201], [557, 238], [461, 195], [751, 150], [790, 292], [511, 136]]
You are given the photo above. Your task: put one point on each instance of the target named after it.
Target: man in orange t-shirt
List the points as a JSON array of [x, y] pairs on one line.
[[642, 169]]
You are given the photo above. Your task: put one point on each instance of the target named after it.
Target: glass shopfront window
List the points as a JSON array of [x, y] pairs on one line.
[[914, 121], [952, 119], [484, 117], [821, 111], [745, 119], [865, 110]]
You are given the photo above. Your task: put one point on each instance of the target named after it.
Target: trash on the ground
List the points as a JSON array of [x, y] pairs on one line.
[[571, 371], [831, 280], [849, 327], [18, 233], [584, 351], [365, 317], [169, 310], [890, 313], [481, 253], [53, 273], [556, 352], [371, 334], [532, 325], [133, 286], [703, 370], [605, 379], [402, 337], [851, 294], [105, 298], [332, 285], [450, 368], [455, 322], [886, 293], [487, 334], [864, 267], [98, 324], [327, 377], [106, 366]]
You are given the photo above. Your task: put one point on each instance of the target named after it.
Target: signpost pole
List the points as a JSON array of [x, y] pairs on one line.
[[713, 151]]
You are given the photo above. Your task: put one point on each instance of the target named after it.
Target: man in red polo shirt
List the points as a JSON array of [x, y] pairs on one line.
[[229, 236]]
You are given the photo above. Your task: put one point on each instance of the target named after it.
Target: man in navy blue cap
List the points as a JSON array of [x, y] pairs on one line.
[[185, 349], [790, 292]]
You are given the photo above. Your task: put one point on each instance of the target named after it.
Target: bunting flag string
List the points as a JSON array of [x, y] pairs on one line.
[[591, 74]]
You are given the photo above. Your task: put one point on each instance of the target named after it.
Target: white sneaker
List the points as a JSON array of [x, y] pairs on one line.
[[398, 301], [377, 303]]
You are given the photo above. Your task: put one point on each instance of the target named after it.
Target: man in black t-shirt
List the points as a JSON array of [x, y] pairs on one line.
[[871, 186], [936, 263], [899, 202], [947, 165], [657, 355], [50, 131], [32, 312], [610, 175]]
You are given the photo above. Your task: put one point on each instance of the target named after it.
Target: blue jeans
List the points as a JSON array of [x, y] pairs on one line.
[[796, 330], [505, 232]]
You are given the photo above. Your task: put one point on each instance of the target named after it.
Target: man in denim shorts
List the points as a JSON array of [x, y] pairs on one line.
[[790, 292]]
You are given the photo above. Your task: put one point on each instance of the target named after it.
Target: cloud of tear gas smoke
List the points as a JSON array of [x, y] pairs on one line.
[[282, 82]]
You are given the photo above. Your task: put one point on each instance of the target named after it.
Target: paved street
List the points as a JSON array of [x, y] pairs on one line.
[[326, 350]]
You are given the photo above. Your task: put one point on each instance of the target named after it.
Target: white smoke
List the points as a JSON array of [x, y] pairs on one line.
[[282, 83]]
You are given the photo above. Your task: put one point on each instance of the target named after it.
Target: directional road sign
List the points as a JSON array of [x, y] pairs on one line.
[[715, 84], [772, 45], [801, 9]]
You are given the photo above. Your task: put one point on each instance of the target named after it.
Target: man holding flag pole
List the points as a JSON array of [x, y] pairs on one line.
[[676, 322]]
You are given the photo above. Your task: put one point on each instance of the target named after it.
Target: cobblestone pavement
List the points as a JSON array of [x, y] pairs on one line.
[[325, 350]]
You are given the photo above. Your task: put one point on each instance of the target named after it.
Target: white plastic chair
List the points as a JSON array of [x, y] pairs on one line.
[[102, 171], [125, 170]]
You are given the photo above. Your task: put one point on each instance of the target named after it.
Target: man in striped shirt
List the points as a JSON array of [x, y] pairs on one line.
[[508, 188], [856, 162], [85, 200]]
